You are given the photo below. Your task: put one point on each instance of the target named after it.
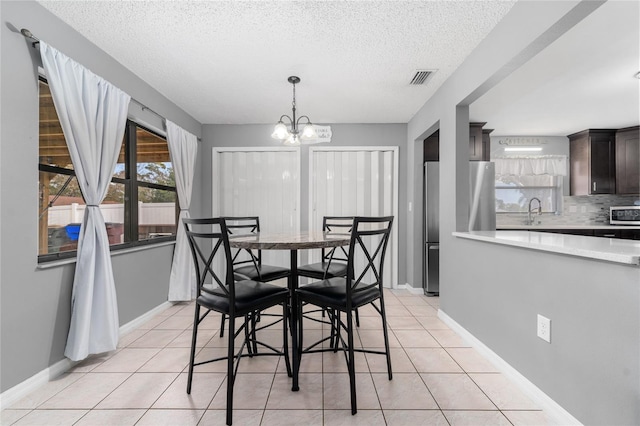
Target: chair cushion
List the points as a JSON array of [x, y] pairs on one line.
[[332, 292], [266, 272], [250, 296], [317, 270]]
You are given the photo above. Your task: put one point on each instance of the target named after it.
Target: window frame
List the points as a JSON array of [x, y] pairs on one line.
[[131, 186], [557, 191]]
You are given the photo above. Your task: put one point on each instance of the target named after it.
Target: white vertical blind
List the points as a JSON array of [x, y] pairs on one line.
[[259, 182], [355, 182]]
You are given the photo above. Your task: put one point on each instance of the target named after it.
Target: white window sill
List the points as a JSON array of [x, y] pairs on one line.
[[56, 263]]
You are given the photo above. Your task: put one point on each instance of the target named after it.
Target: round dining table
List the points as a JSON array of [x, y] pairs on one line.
[[293, 242]]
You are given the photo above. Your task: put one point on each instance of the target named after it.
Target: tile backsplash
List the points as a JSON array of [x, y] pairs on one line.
[[577, 210]]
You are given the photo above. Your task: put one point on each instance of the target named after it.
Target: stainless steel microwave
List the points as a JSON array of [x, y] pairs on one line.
[[624, 215]]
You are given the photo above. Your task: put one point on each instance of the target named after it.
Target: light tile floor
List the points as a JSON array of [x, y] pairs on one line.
[[437, 379]]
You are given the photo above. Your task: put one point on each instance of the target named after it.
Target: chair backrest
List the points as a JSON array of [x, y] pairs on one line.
[[243, 226], [209, 244], [367, 249], [340, 225]]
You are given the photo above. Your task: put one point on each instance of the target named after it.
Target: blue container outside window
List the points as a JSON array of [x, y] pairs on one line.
[[73, 231]]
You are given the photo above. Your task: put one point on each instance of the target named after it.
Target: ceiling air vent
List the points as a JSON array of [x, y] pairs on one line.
[[421, 77]]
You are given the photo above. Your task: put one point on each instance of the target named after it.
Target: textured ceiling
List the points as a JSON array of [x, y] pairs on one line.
[[228, 61]]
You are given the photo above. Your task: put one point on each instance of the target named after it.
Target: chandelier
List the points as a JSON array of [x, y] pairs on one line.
[[291, 135]]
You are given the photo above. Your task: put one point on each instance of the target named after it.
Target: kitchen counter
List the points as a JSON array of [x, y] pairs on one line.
[[608, 249]]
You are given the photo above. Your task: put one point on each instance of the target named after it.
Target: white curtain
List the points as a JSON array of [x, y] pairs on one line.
[[93, 116], [554, 165], [183, 147]]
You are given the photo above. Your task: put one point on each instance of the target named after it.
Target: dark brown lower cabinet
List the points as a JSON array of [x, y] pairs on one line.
[[624, 234]]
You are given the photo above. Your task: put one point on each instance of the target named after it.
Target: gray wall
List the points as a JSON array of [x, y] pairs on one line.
[[592, 366], [35, 303], [225, 135]]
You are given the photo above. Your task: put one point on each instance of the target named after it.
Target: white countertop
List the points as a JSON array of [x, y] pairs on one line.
[[543, 226], [609, 249]]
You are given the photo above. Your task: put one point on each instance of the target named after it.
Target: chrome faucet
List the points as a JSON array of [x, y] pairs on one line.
[[529, 218]]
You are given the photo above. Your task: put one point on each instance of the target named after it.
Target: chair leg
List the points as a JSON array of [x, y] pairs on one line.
[[357, 318], [338, 330], [192, 356], [285, 338], [222, 326], [248, 321], [383, 314], [333, 341], [255, 319], [300, 334], [230, 369], [351, 365]]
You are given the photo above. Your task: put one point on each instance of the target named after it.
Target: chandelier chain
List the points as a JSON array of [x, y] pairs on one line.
[[294, 95]]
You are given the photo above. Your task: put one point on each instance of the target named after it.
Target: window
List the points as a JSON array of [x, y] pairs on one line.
[[513, 193], [141, 203]]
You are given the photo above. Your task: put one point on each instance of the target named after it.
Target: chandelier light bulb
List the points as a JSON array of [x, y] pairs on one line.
[[280, 131], [293, 139], [309, 132]]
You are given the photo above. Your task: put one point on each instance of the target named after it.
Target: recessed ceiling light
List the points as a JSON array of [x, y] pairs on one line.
[[522, 148]]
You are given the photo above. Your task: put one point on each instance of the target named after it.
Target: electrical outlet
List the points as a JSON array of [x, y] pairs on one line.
[[544, 328]]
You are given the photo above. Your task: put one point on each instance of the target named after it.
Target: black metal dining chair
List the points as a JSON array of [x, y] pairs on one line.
[[219, 291], [333, 261], [362, 285], [247, 264]]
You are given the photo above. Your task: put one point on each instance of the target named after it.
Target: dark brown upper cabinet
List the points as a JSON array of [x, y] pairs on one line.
[[479, 144], [592, 158], [476, 151], [628, 160], [432, 147], [486, 144]]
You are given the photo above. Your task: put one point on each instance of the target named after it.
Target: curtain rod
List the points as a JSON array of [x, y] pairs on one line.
[[28, 34]]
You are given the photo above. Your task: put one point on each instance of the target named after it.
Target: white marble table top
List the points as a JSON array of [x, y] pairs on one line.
[[290, 241], [609, 249]]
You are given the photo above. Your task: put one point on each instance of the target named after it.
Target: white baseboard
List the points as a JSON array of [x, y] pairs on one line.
[[133, 324], [411, 289], [557, 414], [22, 389]]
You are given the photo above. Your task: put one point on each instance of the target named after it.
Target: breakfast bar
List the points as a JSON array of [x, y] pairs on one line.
[[607, 249]]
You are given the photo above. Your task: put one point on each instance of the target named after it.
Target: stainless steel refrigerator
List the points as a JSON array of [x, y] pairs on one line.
[[482, 214]]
